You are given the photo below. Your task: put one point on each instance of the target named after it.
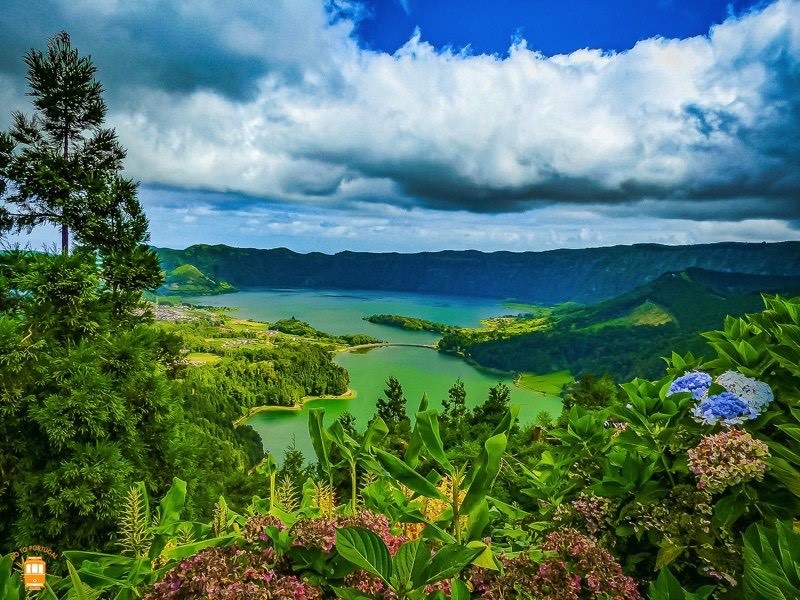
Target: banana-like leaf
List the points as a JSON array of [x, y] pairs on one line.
[[10, 587], [428, 427], [320, 442], [487, 470], [449, 561], [376, 431], [172, 503], [407, 476]]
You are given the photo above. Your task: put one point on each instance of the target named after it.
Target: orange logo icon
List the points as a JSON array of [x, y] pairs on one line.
[[34, 571]]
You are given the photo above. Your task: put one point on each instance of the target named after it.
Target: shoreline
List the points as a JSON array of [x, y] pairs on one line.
[[348, 395]]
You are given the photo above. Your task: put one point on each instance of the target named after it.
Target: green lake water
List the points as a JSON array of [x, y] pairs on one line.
[[419, 370]]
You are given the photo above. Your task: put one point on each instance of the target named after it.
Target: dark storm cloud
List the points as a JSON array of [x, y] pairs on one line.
[[174, 46]]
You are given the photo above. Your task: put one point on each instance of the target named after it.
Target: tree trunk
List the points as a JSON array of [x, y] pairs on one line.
[[64, 227]]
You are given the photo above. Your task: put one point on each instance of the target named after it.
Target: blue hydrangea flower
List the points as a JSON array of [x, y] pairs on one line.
[[694, 382], [756, 393], [725, 407]]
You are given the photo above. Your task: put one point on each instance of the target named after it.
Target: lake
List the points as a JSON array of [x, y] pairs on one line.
[[419, 370]]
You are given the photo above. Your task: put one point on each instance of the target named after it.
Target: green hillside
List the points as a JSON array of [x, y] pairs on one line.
[[624, 336], [190, 281]]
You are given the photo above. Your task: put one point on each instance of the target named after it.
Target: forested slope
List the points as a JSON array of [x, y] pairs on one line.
[[627, 335]]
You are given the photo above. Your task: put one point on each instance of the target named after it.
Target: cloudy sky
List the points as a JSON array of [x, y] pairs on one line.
[[404, 125]]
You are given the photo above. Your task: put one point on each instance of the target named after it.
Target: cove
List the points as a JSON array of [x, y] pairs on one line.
[[419, 370]]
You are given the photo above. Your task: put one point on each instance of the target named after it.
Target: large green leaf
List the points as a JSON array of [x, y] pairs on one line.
[[80, 591], [785, 472], [319, 441], [195, 547], [479, 519], [366, 550], [10, 588], [487, 470], [459, 590], [428, 425], [407, 476], [409, 563], [667, 554], [376, 431], [666, 587], [770, 563], [345, 444], [448, 562], [172, 503]]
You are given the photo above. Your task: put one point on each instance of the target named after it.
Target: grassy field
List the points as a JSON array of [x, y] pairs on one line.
[[205, 358], [549, 384], [646, 313]]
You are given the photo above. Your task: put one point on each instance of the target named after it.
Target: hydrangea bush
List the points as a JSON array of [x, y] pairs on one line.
[[727, 458]]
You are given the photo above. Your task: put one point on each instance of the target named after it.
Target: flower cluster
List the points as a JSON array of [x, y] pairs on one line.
[[230, 573], [368, 584], [756, 393], [727, 458], [743, 398], [590, 566], [516, 580], [254, 530], [595, 511], [580, 569], [321, 532], [725, 407], [433, 508], [372, 587], [694, 382], [588, 512]]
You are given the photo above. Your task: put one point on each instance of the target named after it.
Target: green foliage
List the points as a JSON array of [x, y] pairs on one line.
[[410, 570], [84, 402], [771, 559], [392, 409], [190, 281], [409, 323], [666, 587]]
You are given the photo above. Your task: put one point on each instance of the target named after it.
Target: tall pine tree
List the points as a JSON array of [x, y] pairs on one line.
[[60, 166], [392, 409], [84, 409]]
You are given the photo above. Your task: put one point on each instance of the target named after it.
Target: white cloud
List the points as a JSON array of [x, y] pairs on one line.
[[313, 121], [667, 119]]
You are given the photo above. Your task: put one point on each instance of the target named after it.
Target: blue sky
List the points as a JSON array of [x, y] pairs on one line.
[[325, 125]]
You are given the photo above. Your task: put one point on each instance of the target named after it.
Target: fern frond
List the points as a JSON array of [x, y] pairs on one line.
[[135, 535]]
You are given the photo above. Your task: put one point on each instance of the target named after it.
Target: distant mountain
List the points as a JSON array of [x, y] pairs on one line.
[[586, 275], [627, 335]]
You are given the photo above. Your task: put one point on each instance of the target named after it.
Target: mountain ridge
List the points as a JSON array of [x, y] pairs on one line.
[[546, 277]]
